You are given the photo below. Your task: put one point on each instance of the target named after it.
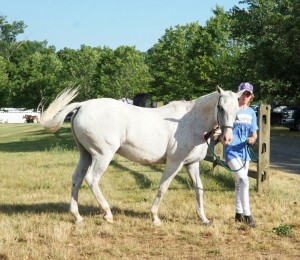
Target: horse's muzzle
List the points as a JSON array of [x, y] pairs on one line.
[[227, 135]]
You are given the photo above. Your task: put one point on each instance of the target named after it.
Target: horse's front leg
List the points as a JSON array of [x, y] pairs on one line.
[[168, 175], [194, 173]]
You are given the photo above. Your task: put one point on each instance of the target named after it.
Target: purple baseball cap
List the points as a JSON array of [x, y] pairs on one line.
[[246, 86]]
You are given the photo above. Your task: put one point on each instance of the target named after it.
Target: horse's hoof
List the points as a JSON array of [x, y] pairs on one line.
[[207, 224], [79, 221], [109, 219], [157, 223]]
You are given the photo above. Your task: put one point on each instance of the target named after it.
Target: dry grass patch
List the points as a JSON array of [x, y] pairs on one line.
[[35, 183]]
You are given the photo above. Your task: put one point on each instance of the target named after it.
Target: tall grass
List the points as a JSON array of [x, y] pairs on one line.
[[35, 183]]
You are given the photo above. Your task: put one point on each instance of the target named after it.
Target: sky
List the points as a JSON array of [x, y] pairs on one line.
[[111, 23]]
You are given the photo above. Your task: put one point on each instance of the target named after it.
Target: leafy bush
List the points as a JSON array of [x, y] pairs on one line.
[[283, 230]]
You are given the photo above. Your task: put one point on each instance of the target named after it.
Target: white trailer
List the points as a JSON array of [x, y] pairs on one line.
[[17, 115]]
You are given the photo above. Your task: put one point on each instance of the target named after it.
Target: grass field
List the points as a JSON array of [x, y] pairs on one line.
[[36, 169]]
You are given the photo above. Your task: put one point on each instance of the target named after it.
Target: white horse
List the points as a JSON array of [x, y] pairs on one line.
[[172, 134]]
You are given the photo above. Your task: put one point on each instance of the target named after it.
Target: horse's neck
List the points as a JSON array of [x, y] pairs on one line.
[[205, 107]]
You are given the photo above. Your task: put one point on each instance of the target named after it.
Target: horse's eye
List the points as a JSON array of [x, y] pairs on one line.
[[221, 109]]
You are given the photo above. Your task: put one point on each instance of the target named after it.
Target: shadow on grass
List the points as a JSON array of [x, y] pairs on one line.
[[40, 140], [223, 181], [85, 210], [51, 207], [38, 208], [143, 182], [211, 181], [130, 213]]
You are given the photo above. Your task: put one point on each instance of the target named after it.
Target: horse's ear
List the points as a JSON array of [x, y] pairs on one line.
[[220, 90]]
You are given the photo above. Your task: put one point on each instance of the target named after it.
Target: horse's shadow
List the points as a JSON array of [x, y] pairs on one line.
[[61, 208], [38, 208], [224, 181], [143, 182]]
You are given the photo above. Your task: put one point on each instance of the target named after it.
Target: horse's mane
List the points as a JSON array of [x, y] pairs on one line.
[[188, 105], [206, 97]]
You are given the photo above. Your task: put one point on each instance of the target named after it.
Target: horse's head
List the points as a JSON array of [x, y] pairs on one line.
[[226, 110]]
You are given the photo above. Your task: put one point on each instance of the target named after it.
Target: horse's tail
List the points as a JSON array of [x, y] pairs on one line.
[[55, 114]]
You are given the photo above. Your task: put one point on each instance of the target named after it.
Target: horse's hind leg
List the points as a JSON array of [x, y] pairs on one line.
[[99, 164], [194, 174], [77, 178]]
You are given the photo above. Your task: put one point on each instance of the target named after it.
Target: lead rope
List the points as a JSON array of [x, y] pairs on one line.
[[253, 156], [225, 165]]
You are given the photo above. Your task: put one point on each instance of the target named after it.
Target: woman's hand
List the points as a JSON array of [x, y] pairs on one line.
[[251, 140], [216, 133]]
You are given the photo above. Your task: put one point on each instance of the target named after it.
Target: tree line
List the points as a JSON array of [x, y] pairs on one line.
[[258, 42]]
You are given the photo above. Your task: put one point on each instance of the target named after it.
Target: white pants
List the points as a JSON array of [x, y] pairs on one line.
[[242, 203]]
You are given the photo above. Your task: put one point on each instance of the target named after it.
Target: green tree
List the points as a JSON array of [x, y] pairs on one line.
[[4, 91], [17, 62], [226, 72], [35, 79], [22, 66], [270, 32], [79, 68], [188, 60], [168, 62], [8, 36], [121, 73]]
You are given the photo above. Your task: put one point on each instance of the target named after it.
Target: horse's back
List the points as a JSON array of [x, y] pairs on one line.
[[139, 134]]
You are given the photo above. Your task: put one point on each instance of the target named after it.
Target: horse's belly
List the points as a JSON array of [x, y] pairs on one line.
[[142, 156]]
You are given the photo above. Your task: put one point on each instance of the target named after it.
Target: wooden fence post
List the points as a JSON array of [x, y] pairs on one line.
[[263, 166], [262, 172]]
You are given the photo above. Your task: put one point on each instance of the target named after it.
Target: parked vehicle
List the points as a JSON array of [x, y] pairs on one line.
[[291, 118], [276, 113]]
